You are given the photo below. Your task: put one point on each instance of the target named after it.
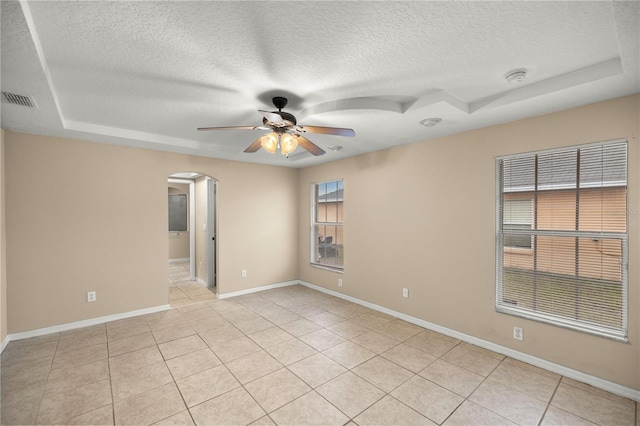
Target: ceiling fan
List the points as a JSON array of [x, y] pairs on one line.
[[285, 132]]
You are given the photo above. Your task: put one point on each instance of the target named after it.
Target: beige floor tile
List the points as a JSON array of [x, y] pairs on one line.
[[98, 417], [348, 329], [20, 406], [45, 338], [291, 351], [555, 416], [254, 366], [508, 402], [467, 357], [74, 343], [129, 323], [220, 335], [281, 317], [234, 349], [270, 337], [130, 362], [207, 384], [277, 389], [307, 310], [317, 369], [399, 330], [114, 333], [233, 408], [181, 346], [432, 343], [472, 414], [64, 380], [240, 315], [224, 306], [350, 393], [164, 319], [84, 333], [183, 418], [15, 354], [325, 319], [383, 373], [203, 324], [607, 395], [592, 407], [375, 342], [28, 373], [526, 380], [370, 321], [130, 344], [263, 421], [254, 325], [391, 412], [310, 409], [192, 363], [349, 354], [321, 339], [300, 327], [149, 407], [81, 356], [173, 333], [204, 297], [427, 398], [452, 377], [59, 407], [142, 380], [409, 357]]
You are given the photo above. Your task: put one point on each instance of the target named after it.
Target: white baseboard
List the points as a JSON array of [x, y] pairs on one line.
[[179, 260], [257, 289], [201, 282], [83, 323], [4, 343], [598, 382]]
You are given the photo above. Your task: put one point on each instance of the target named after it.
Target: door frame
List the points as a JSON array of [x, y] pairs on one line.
[[192, 221]]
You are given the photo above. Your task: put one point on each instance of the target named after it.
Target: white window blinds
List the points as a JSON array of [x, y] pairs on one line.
[[561, 237]]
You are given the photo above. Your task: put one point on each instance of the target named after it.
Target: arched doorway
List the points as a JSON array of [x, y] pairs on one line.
[[192, 238]]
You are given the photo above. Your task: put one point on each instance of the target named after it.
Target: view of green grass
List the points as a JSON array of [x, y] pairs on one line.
[[599, 302]]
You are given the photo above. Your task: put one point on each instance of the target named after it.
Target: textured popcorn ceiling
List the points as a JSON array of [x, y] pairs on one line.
[[148, 74]]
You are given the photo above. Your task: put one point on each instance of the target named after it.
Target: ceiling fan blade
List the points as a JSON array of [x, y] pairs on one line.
[[235, 128], [309, 146], [272, 117], [326, 130], [254, 146]]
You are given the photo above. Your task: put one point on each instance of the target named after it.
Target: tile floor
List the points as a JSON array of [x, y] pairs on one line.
[[182, 291], [289, 356]]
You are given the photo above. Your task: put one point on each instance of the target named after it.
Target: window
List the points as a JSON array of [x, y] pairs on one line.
[[177, 212], [561, 237], [517, 215], [327, 243]]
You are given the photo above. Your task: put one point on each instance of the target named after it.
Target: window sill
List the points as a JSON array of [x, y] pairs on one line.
[[327, 268]]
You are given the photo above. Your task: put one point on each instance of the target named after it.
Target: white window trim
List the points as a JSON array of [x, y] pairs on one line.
[[312, 246]]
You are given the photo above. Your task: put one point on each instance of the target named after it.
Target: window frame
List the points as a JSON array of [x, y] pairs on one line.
[[574, 324], [313, 242]]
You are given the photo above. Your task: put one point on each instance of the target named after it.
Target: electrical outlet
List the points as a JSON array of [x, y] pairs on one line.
[[405, 293], [339, 282], [91, 296], [244, 273], [518, 334]]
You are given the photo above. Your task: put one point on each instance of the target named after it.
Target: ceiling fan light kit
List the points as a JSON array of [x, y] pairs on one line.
[[285, 132]]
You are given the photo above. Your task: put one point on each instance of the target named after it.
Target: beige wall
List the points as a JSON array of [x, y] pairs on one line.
[[418, 237], [3, 247], [99, 232], [179, 241]]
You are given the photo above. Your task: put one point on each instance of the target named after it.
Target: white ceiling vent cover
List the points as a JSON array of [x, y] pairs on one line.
[[12, 98]]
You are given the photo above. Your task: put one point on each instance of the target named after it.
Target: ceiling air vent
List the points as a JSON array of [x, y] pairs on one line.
[[12, 98]]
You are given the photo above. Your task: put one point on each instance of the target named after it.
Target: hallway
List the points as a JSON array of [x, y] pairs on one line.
[[182, 291]]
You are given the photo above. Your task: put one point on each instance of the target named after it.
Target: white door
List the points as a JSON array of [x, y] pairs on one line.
[[210, 245]]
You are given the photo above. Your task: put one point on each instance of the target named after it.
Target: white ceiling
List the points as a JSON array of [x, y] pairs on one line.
[[147, 74]]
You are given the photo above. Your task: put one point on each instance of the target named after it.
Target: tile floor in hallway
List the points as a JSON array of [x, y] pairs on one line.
[[182, 291], [288, 356]]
